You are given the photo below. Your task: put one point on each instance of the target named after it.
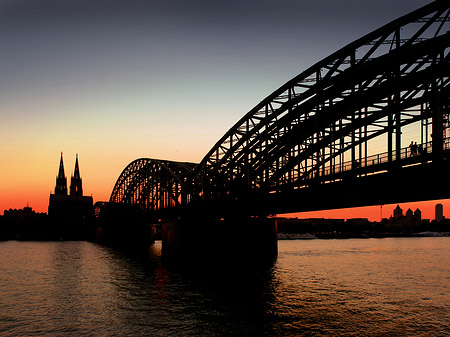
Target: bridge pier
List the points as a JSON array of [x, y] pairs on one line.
[[200, 238], [124, 226]]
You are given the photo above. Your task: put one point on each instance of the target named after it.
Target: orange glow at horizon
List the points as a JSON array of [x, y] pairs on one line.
[[35, 192], [121, 83], [31, 177], [375, 213]]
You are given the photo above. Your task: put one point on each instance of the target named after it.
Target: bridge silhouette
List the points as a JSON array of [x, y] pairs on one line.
[[367, 125]]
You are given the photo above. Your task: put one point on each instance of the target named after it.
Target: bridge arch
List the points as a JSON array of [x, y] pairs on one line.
[[154, 184], [322, 124], [323, 121]]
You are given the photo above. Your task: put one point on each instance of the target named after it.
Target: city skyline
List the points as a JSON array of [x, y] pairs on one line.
[[428, 207], [143, 79], [333, 214]]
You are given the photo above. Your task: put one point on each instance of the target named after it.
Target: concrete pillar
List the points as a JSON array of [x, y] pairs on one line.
[[218, 241]]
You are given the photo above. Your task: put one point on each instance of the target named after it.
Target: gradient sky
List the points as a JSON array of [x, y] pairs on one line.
[[116, 80]]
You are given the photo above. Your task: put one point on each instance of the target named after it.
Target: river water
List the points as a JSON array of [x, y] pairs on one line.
[[354, 287]]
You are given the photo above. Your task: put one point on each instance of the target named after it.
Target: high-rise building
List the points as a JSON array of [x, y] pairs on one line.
[[439, 212]]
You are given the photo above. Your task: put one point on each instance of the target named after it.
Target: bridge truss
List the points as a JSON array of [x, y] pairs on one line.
[[336, 111], [154, 184], [369, 99]]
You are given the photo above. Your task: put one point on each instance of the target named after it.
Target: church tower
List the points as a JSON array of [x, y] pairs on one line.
[[61, 180], [75, 181], [71, 215]]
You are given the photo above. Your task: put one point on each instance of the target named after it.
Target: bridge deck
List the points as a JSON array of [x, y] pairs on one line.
[[413, 179], [374, 164]]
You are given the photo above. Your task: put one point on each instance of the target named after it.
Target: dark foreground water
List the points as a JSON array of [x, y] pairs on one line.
[[372, 287]]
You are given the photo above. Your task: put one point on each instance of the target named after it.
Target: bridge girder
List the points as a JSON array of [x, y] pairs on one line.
[[325, 117], [154, 184], [323, 123]]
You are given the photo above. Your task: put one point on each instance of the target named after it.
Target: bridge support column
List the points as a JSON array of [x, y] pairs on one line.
[[217, 242], [437, 132]]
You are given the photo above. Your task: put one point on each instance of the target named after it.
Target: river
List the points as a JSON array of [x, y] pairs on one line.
[[353, 287]]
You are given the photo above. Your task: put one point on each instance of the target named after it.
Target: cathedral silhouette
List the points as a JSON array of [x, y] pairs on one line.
[[73, 207]]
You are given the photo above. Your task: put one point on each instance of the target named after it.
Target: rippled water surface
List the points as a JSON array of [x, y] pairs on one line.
[[381, 287]]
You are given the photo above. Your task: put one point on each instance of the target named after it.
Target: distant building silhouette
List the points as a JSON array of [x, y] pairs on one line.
[[75, 181], [408, 221], [439, 212], [19, 213], [61, 181], [418, 214], [411, 218], [23, 224], [74, 209], [398, 212], [409, 213]]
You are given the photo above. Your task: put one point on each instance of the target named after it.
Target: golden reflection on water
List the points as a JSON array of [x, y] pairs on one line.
[[374, 286], [392, 287]]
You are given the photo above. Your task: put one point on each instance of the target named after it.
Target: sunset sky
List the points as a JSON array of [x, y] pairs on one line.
[[117, 80]]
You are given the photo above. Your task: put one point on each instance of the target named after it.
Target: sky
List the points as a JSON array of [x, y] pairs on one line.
[[117, 80]]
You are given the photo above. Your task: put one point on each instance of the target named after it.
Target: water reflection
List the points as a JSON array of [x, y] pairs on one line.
[[206, 300], [363, 287], [315, 288]]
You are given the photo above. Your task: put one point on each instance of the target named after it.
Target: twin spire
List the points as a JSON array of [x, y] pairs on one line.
[[61, 181], [75, 180]]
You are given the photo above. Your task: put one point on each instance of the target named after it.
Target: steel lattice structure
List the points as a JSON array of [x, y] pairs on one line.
[[329, 119], [154, 184], [326, 116]]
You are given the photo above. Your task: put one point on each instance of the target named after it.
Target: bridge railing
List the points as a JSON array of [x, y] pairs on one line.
[[381, 158]]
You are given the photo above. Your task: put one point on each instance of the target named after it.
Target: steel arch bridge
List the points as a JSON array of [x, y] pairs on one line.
[[355, 111], [155, 184]]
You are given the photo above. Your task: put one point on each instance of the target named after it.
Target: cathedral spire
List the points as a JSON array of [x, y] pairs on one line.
[[76, 174], [61, 180], [75, 181]]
